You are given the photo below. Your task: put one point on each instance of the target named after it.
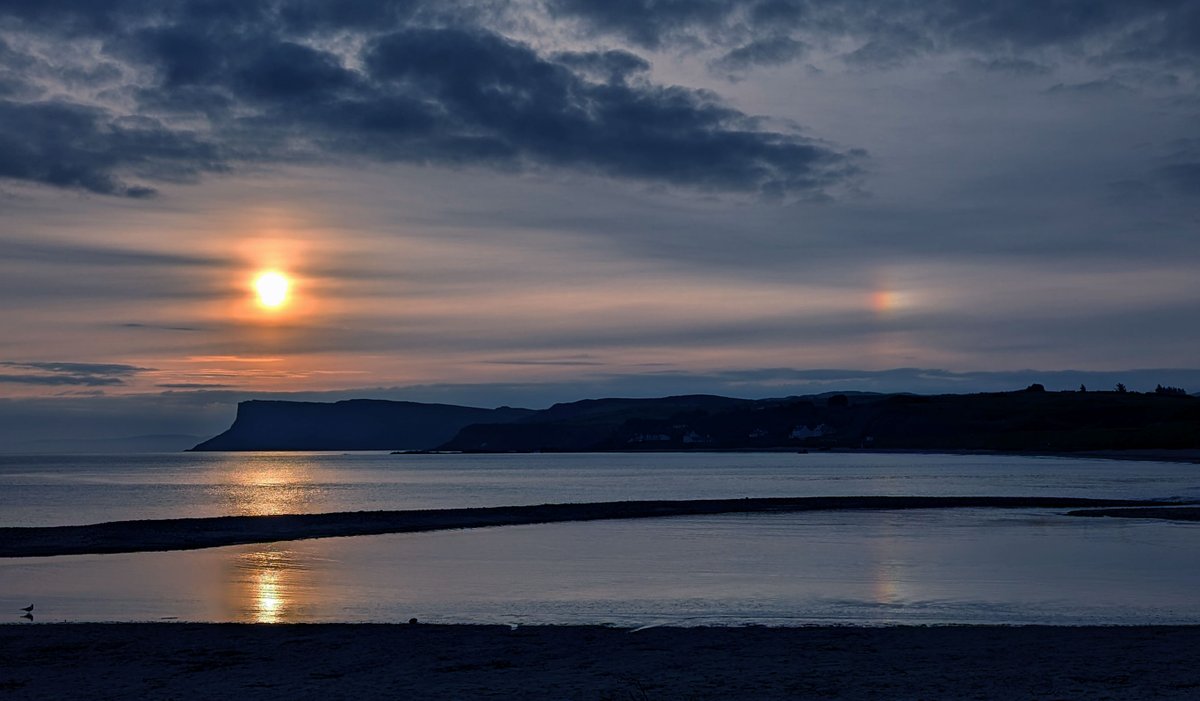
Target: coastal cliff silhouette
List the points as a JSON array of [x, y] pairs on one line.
[[1027, 420]]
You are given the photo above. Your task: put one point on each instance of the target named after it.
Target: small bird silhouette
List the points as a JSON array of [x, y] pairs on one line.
[[27, 616], [28, 609]]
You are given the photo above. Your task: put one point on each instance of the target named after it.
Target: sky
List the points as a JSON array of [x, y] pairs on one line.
[[534, 201]]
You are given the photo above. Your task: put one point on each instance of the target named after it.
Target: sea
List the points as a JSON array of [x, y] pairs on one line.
[[945, 566]]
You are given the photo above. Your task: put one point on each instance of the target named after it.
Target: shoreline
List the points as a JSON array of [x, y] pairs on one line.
[[196, 533], [195, 661], [1182, 456]]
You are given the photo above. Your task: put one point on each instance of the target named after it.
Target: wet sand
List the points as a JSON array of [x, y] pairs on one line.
[[201, 661], [1176, 455], [1182, 455], [1173, 513], [193, 533]]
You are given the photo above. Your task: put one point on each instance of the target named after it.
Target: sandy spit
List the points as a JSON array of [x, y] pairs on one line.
[[192, 533], [205, 661]]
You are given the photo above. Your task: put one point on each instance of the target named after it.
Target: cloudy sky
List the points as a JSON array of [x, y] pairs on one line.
[[539, 200]]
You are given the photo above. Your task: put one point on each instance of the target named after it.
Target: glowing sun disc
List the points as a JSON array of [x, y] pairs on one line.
[[272, 289]]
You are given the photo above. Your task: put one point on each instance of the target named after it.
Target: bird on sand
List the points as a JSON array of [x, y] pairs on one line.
[[28, 609]]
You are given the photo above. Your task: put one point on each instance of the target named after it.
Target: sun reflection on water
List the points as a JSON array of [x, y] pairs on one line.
[[270, 599], [270, 583], [270, 489], [888, 586]]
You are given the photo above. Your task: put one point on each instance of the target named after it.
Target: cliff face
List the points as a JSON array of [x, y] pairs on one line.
[[357, 424]]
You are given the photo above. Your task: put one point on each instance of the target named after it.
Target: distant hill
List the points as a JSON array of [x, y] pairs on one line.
[[585, 425], [356, 424], [1029, 420]]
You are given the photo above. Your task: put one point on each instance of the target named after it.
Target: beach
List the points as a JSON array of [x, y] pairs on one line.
[[200, 661]]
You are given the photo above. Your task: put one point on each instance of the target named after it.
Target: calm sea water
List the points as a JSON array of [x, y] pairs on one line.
[[952, 566]]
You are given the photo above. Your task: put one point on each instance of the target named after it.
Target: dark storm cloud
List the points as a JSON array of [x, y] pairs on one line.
[[11, 87], [71, 145], [1183, 177], [78, 374], [892, 48], [1106, 86], [761, 52], [253, 76], [309, 15], [1015, 66], [13, 67], [1153, 30], [647, 23], [515, 105], [611, 66]]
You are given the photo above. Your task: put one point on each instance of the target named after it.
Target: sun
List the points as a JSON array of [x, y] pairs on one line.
[[272, 288]]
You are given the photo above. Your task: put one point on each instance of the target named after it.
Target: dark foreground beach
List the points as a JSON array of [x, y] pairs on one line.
[[204, 661]]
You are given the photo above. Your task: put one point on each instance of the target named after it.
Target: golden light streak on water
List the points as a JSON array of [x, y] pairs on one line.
[[269, 599], [271, 488], [271, 584]]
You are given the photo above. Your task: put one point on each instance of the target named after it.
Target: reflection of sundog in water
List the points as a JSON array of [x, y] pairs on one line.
[[192, 533]]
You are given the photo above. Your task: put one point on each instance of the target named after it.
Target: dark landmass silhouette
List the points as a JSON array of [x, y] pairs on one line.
[[194, 533], [356, 424], [1031, 420], [1007, 421]]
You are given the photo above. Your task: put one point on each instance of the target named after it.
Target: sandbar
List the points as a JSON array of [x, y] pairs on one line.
[[192, 533]]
